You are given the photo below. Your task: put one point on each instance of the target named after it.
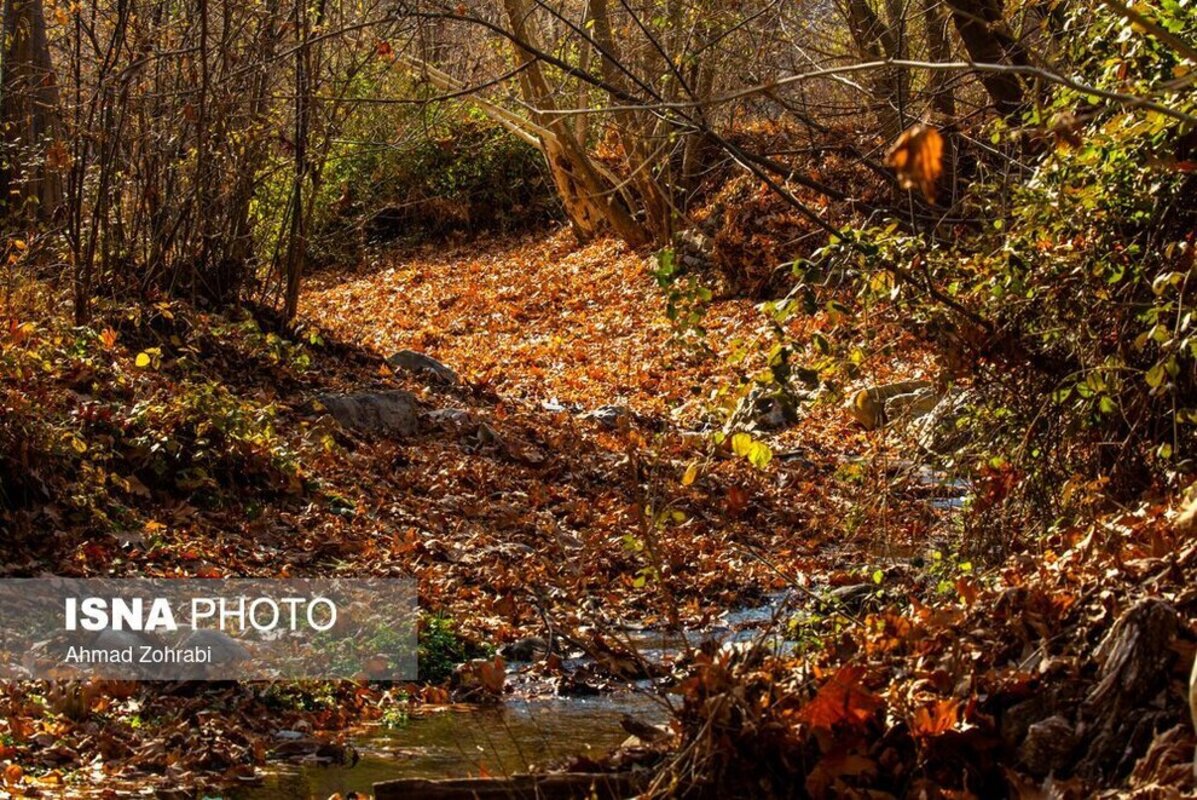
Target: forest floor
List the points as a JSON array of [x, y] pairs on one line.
[[515, 505]]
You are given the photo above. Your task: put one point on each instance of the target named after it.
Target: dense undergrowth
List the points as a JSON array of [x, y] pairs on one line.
[[1033, 643]]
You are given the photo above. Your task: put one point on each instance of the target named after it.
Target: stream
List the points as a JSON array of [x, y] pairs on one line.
[[514, 737], [533, 728]]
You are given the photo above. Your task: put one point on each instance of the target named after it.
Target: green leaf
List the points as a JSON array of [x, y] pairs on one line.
[[1156, 375], [878, 577]]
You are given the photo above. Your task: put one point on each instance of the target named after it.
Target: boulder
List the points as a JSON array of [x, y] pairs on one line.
[[910, 405], [937, 430], [386, 413], [868, 406], [424, 366]]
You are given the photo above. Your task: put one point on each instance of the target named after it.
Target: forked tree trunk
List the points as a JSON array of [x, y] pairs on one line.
[[939, 48], [877, 39], [591, 202]]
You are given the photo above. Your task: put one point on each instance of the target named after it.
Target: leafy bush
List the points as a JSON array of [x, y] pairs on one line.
[[1065, 298]]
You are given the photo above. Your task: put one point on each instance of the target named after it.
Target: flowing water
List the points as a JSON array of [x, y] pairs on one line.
[[514, 737]]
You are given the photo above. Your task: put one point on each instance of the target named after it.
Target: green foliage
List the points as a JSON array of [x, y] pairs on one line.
[[120, 416], [442, 647], [686, 299]]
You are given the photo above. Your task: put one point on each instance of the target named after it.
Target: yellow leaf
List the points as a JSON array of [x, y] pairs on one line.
[[143, 360], [741, 444], [690, 474]]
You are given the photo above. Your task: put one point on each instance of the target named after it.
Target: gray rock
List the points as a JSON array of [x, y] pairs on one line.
[[450, 416], [387, 413], [423, 365], [937, 431], [694, 249], [852, 596], [910, 405], [608, 416], [225, 649]]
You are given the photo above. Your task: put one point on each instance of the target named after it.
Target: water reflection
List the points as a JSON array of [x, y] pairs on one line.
[[514, 738]]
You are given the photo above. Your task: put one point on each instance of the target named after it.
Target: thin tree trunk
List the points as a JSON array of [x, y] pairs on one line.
[[297, 235]]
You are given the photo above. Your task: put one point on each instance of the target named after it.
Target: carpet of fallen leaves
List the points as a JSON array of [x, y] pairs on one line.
[[514, 505]]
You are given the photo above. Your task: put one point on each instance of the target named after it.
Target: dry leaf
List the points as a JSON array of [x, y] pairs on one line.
[[841, 700], [917, 157]]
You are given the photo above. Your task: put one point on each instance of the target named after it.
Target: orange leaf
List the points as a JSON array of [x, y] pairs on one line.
[[939, 717], [841, 700], [917, 157]]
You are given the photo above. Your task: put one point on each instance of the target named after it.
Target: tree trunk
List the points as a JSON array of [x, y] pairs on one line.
[[29, 165], [988, 41], [876, 40], [297, 237], [590, 202], [939, 87]]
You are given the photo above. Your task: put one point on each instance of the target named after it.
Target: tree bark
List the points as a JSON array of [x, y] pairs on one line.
[[591, 203], [877, 39], [988, 41], [30, 182]]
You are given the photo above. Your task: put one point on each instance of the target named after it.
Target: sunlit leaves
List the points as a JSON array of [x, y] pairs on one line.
[[917, 157], [757, 453]]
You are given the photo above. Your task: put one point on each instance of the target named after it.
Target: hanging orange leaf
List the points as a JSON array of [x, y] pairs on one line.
[[917, 157], [842, 700]]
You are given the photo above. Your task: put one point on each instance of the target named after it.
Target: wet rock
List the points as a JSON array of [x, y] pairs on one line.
[[644, 731], [530, 648], [423, 365], [385, 413]]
